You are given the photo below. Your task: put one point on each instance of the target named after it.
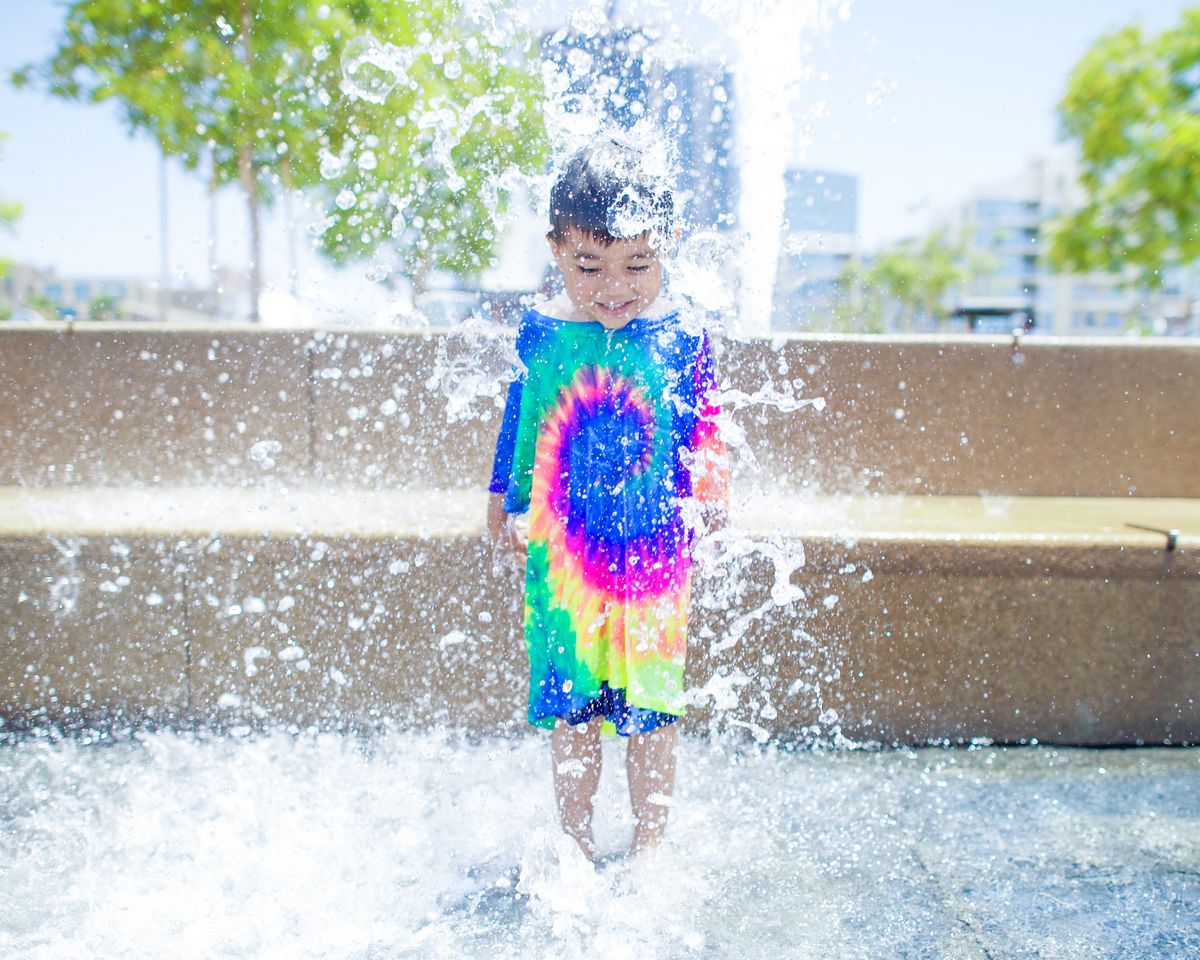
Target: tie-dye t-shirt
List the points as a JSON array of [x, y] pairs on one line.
[[606, 434]]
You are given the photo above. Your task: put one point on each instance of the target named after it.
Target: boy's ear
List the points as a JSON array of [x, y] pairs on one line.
[[557, 254]]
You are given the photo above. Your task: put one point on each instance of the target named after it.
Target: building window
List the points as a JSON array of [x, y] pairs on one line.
[[995, 211]]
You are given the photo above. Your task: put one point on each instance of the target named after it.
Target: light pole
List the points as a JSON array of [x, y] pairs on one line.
[[164, 258]]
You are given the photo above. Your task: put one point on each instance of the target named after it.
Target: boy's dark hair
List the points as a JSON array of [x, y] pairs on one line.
[[605, 191]]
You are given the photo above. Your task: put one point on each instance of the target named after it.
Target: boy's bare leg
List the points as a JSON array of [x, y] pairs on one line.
[[650, 764], [576, 751]]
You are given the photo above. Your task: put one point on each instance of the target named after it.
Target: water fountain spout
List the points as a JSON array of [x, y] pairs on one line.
[[1172, 535]]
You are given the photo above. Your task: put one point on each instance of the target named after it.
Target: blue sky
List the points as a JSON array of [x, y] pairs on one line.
[[968, 94]]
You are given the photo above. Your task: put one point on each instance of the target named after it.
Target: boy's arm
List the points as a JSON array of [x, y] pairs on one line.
[[500, 527], [499, 524]]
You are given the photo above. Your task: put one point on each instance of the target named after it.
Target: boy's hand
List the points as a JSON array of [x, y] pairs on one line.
[[716, 517], [501, 529]]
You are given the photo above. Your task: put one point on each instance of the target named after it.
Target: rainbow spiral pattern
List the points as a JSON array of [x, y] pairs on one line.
[[611, 432]]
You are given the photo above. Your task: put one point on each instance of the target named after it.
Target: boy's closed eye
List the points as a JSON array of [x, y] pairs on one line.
[[590, 270]]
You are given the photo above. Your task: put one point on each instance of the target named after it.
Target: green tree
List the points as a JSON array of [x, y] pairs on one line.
[[909, 281], [10, 213], [260, 88], [860, 305], [43, 306], [104, 307], [196, 76], [419, 151], [1133, 105]]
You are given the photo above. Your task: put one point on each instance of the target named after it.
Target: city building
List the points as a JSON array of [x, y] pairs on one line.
[[820, 236], [28, 293], [1003, 226], [697, 112], [601, 69]]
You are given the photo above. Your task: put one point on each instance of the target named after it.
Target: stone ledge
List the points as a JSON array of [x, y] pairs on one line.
[[348, 611], [305, 509], [1077, 537]]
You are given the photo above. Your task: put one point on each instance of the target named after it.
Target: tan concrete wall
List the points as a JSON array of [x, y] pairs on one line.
[[100, 406], [996, 642], [91, 628], [1022, 637], [97, 406], [1095, 646], [966, 416]]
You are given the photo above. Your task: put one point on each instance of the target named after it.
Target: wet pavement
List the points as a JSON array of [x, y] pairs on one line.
[[432, 844]]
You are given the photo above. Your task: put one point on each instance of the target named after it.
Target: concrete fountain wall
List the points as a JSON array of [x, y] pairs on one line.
[[221, 525]]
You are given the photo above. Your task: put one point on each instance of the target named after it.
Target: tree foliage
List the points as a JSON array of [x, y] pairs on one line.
[[1133, 105], [907, 282], [276, 94], [429, 127]]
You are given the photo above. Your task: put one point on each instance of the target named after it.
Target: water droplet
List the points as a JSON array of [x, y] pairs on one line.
[[264, 452], [369, 72]]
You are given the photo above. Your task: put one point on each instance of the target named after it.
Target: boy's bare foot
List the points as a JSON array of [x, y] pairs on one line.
[[576, 753]]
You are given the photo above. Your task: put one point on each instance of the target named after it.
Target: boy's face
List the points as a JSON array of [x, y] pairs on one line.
[[609, 283]]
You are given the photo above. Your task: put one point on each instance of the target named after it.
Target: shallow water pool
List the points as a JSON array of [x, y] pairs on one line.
[[416, 845]]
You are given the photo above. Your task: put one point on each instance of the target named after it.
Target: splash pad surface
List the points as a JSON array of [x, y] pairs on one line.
[[429, 844]]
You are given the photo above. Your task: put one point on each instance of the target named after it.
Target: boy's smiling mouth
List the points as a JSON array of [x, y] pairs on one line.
[[615, 309]]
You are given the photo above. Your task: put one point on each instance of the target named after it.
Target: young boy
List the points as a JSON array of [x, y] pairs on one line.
[[606, 438]]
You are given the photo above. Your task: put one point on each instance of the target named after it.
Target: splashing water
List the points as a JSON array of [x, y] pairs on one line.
[[770, 68], [472, 363], [371, 70], [426, 845]]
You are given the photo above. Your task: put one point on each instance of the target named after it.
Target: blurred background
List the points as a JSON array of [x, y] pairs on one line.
[[858, 166]]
